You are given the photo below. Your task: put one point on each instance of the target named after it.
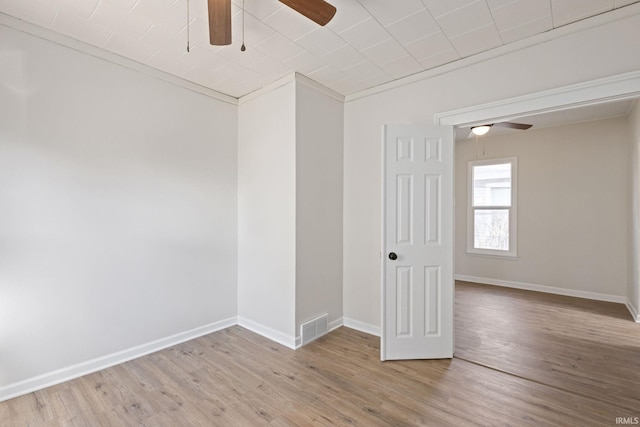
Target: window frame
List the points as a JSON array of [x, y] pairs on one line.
[[512, 253]]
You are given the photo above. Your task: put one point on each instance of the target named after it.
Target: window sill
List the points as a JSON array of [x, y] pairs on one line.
[[506, 256]]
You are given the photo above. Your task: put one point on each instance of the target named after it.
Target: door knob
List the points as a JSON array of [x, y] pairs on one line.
[[393, 256]]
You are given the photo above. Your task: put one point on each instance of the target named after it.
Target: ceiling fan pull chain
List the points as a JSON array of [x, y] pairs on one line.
[[188, 48], [243, 48]]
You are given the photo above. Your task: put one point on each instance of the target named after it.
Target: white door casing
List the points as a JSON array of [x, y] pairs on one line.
[[417, 286]]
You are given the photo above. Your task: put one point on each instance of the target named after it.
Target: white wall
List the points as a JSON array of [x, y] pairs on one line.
[[290, 208], [118, 208], [603, 50], [633, 288], [267, 213], [572, 209], [319, 169]]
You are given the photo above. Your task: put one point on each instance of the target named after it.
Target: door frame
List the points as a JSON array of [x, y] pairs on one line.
[[593, 92], [619, 87]]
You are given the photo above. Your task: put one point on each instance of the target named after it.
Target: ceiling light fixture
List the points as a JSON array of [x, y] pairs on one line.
[[480, 130]]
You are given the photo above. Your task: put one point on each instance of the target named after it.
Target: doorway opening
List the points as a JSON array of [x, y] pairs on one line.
[[580, 100], [545, 337]]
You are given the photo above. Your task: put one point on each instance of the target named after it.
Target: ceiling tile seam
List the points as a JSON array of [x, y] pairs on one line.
[[194, 66], [406, 76], [276, 32], [55, 17], [249, 64], [95, 8], [442, 31], [134, 6], [391, 35], [419, 38], [483, 56], [493, 20], [504, 5], [364, 62], [155, 53], [113, 33], [299, 54], [351, 26], [269, 15], [520, 25], [449, 12], [457, 36], [313, 53], [538, 39], [182, 28], [528, 23], [391, 60], [146, 32], [424, 8], [357, 65], [553, 18], [438, 31], [437, 53], [252, 63], [335, 50]]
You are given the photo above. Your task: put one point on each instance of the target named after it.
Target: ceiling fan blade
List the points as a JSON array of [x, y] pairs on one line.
[[220, 22], [511, 125], [319, 11]]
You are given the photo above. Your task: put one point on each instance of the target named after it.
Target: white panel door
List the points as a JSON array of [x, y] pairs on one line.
[[417, 308]]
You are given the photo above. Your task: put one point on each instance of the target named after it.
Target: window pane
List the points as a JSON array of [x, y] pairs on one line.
[[492, 185], [491, 229]]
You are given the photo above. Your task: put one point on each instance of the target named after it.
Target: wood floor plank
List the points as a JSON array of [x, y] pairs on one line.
[[520, 360]]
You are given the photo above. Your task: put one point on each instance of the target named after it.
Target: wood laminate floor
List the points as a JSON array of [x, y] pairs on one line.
[[521, 359], [589, 348]]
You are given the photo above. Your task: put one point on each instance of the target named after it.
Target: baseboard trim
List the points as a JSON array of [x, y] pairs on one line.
[[632, 309], [361, 326], [75, 371], [543, 288], [65, 374], [336, 324], [267, 332]]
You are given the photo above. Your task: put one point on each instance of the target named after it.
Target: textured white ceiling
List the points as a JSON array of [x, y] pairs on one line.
[[368, 43]]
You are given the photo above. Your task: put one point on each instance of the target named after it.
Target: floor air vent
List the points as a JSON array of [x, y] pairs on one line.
[[314, 329]]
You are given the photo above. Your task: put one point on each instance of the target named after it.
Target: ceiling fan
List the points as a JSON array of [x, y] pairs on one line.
[[319, 11], [483, 129]]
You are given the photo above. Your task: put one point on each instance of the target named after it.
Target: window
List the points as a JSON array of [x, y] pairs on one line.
[[491, 217]]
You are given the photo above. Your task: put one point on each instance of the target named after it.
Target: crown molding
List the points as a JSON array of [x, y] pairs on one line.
[[318, 87], [283, 81], [71, 43], [290, 78], [563, 31]]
